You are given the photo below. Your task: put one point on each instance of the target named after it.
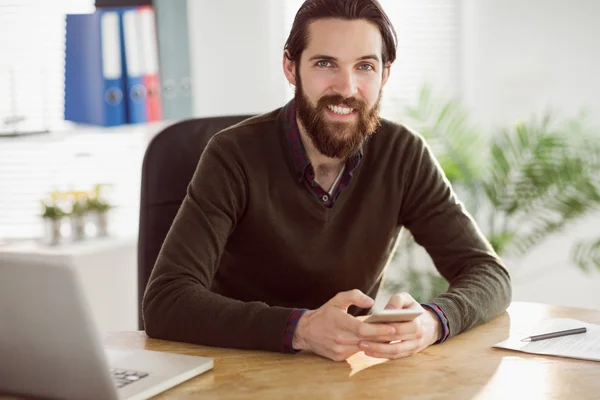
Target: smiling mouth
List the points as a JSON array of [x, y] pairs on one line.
[[340, 110]]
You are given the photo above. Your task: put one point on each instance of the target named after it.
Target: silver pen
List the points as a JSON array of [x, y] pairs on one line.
[[554, 334]]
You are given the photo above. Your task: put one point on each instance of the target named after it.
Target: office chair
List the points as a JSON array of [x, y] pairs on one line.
[[169, 163]]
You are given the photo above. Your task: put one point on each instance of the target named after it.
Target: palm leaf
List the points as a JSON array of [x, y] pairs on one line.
[[446, 127], [540, 181], [501, 240], [456, 143], [529, 182], [586, 254], [523, 162]]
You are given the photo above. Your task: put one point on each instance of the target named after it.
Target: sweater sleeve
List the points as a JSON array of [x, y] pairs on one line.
[[479, 284], [178, 304]]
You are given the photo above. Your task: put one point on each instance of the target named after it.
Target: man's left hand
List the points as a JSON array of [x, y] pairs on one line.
[[411, 337]]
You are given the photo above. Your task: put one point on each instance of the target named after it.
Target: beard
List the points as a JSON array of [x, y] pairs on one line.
[[336, 139]]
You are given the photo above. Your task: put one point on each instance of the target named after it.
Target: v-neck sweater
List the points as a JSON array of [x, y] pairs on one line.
[[250, 244]]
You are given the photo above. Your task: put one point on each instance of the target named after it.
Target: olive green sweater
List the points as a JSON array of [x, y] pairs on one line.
[[250, 243]]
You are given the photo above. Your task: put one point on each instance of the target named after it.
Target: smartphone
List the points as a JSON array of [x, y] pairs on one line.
[[384, 316]]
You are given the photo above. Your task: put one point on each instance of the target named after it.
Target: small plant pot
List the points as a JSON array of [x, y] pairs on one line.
[[78, 228], [52, 231], [101, 220]]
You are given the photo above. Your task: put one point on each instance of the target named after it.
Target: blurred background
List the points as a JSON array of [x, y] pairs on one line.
[[505, 92]]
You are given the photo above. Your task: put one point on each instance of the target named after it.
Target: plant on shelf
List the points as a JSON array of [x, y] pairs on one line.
[[78, 202], [521, 184], [51, 211], [99, 207], [53, 215]]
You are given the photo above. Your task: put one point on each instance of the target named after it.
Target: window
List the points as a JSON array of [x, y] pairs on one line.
[[32, 167], [32, 39], [428, 49], [32, 62]]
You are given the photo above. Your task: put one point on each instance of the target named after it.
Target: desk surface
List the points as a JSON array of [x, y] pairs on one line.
[[464, 367]]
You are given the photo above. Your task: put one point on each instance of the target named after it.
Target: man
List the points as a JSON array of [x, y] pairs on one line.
[[292, 216]]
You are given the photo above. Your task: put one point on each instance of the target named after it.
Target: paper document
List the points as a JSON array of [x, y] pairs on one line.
[[584, 346]]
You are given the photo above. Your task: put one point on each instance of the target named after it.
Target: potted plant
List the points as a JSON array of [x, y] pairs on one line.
[[53, 216], [77, 214], [521, 184], [98, 209]]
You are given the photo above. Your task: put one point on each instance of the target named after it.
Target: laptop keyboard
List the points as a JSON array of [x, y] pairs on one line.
[[123, 377]]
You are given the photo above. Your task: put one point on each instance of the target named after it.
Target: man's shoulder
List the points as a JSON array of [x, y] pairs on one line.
[[252, 129], [392, 133]]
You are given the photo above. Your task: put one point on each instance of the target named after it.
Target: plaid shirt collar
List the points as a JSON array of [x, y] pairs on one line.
[[301, 161]]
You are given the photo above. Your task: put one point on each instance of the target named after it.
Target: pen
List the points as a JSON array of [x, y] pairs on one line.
[[554, 334]]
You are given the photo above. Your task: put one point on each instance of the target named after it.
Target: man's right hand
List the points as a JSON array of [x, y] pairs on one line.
[[333, 333]]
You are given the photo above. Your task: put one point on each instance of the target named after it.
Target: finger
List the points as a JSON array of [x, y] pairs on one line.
[[401, 300], [341, 352], [406, 330], [355, 297], [409, 330], [371, 331], [348, 328], [390, 351], [347, 338]]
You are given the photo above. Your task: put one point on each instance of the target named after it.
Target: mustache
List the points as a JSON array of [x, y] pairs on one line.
[[336, 99]]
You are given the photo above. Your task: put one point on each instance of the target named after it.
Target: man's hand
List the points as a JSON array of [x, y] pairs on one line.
[[409, 337], [333, 333]]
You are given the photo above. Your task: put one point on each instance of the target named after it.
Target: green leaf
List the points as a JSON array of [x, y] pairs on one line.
[[586, 255], [500, 240], [527, 182]]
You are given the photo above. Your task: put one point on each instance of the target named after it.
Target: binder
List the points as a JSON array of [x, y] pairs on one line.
[[174, 58], [121, 3], [150, 67], [94, 81], [135, 89]]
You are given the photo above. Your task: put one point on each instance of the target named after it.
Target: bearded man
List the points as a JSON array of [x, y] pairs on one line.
[[291, 217]]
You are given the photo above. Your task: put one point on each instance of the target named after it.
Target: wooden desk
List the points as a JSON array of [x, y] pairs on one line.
[[465, 367]]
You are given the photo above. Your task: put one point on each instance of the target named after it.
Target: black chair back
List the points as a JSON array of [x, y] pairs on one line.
[[169, 163]]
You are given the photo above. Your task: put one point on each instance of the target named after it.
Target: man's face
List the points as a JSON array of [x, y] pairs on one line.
[[338, 85]]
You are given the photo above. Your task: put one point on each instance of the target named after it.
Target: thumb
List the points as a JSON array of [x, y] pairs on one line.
[[355, 297], [401, 300]]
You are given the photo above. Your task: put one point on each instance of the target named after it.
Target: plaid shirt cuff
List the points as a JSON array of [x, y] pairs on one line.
[[290, 329], [443, 320]]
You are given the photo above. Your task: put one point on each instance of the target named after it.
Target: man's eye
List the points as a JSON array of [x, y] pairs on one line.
[[323, 63], [365, 67]]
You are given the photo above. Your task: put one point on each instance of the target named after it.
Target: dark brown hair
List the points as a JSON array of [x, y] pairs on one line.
[[312, 10]]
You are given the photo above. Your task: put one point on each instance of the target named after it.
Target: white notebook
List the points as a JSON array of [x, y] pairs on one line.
[[584, 346]]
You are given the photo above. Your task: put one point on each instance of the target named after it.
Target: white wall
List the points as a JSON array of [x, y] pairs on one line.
[[523, 56], [520, 58], [547, 275], [236, 56]]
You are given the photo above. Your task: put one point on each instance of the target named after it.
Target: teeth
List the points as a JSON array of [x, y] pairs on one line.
[[340, 110]]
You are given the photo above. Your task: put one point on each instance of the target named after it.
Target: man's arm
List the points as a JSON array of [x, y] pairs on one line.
[[480, 287], [178, 304]]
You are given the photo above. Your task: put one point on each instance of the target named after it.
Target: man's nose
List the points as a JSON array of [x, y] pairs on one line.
[[345, 83]]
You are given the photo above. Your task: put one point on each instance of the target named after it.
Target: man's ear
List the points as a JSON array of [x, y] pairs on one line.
[[386, 74], [289, 68]]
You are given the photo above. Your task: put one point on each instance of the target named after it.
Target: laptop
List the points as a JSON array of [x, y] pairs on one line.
[[50, 346]]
